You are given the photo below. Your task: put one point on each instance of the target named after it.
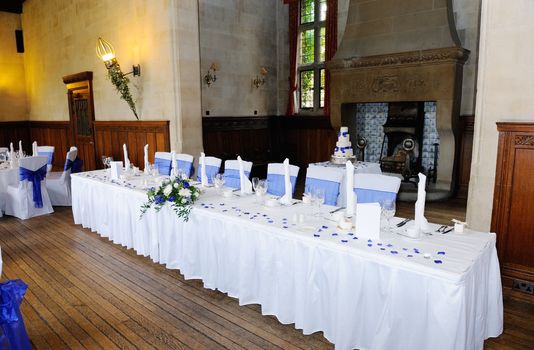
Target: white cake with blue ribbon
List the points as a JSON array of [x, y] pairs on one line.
[[343, 148]]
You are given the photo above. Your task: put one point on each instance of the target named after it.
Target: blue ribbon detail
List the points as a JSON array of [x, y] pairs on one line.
[[331, 189], [373, 196], [232, 178], [12, 332], [75, 165], [35, 177], [50, 156], [211, 171], [276, 184], [163, 165]]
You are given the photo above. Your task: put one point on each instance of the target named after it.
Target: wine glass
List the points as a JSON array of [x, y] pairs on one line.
[[388, 211], [104, 158], [261, 189], [218, 181], [155, 170], [319, 197], [255, 181]]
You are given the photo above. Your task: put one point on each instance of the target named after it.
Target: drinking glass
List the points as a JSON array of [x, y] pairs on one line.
[[218, 182], [155, 170], [104, 161], [261, 189], [319, 197], [388, 211]]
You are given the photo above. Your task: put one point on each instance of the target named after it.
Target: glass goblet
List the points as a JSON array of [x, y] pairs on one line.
[[388, 211]]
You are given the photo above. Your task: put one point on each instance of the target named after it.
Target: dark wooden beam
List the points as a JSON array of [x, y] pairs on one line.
[[13, 6]]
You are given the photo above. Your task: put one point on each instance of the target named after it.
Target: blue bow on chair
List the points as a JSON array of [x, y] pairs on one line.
[[35, 177], [12, 329], [75, 165]]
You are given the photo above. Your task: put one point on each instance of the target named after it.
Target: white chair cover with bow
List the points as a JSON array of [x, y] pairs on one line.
[[213, 165], [327, 179], [58, 183], [47, 151], [162, 162], [374, 188], [231, 172], [26, 200], [184, 162], [275, 178]]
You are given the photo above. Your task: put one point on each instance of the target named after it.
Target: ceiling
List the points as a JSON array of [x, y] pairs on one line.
[[13, 6]]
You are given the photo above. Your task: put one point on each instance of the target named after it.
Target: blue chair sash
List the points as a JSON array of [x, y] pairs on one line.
[[13, 332], [163, 166], [232, 178], [276, 185], [35, 177], [211, 170], [331, 189], [186, 167], [49, 155], [75, 165], [373, 196]]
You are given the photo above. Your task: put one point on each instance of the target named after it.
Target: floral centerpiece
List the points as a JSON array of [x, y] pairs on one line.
[[180, 194]]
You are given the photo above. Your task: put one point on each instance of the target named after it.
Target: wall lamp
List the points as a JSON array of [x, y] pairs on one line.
[[105, 51], [260, 80], [210, 77]]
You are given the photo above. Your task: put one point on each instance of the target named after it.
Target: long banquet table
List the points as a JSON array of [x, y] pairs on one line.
[[442, 292]]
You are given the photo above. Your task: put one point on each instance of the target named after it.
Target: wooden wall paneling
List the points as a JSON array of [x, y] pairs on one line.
[[467, 123], [111, 135], [52, 133], [13, 132], [513, 201]]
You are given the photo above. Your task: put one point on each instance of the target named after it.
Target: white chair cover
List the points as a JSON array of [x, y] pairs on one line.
[[162, 161], [58, 183], [325, 178], [20, 200], [213, 165], [185, 163], [47, 151], [231, 172], [374, 188], [275, 178]]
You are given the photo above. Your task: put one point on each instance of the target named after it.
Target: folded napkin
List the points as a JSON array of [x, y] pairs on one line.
[[116, 170], [126, 160], [351, 196], [174, 166], [245, 184], [286, 198], [34, 149], [420, 221], [20, 148], [203, 176], [147, 164], [11, 148]]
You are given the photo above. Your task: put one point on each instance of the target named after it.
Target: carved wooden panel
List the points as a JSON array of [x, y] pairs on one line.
[[52, 133], [513, 201], [466, 149], [111, 135]]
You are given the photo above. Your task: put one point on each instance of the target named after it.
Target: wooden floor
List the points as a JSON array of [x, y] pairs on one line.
[[86, 292]]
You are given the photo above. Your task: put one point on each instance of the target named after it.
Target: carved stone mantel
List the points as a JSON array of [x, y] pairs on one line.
[[424, 75]]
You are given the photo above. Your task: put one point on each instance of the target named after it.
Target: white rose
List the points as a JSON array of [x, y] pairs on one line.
[[185, 192], [167, 190], [176, 185]]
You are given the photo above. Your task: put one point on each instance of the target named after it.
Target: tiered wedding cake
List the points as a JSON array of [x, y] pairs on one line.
[[343, 150]]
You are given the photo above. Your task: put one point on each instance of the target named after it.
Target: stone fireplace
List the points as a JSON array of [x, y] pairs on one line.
[[395, 51]]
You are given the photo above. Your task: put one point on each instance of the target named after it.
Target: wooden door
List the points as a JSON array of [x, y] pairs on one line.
[[513, 203], [82, 116]]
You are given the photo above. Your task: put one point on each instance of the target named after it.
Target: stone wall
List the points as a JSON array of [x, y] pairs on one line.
[[60, 38], [505, 92], [12, 88], [241, 37]]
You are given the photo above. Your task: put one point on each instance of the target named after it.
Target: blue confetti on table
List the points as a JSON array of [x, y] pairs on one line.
[[441, 253], [438, 261]]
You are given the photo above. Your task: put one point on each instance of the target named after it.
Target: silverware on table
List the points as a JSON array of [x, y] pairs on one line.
[[449, 230], [403, 222], [336, 210]]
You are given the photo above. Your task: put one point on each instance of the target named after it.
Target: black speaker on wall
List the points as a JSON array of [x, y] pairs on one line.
[[20, 41]]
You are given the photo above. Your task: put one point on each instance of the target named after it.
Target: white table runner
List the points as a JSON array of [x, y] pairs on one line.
[[362, 294]]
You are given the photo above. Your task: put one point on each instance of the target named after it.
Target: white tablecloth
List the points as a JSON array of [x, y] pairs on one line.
[[362, 294], [359, 168], [8, 177]]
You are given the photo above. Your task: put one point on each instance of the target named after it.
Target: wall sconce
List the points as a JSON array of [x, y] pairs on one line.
[[260, 80], [105, 51], [210, 77]]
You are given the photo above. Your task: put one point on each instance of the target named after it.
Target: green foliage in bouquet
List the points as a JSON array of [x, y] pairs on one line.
[[121, 84], [180, 194]]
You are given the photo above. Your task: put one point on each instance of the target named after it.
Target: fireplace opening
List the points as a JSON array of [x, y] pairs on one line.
[[401, 136]]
